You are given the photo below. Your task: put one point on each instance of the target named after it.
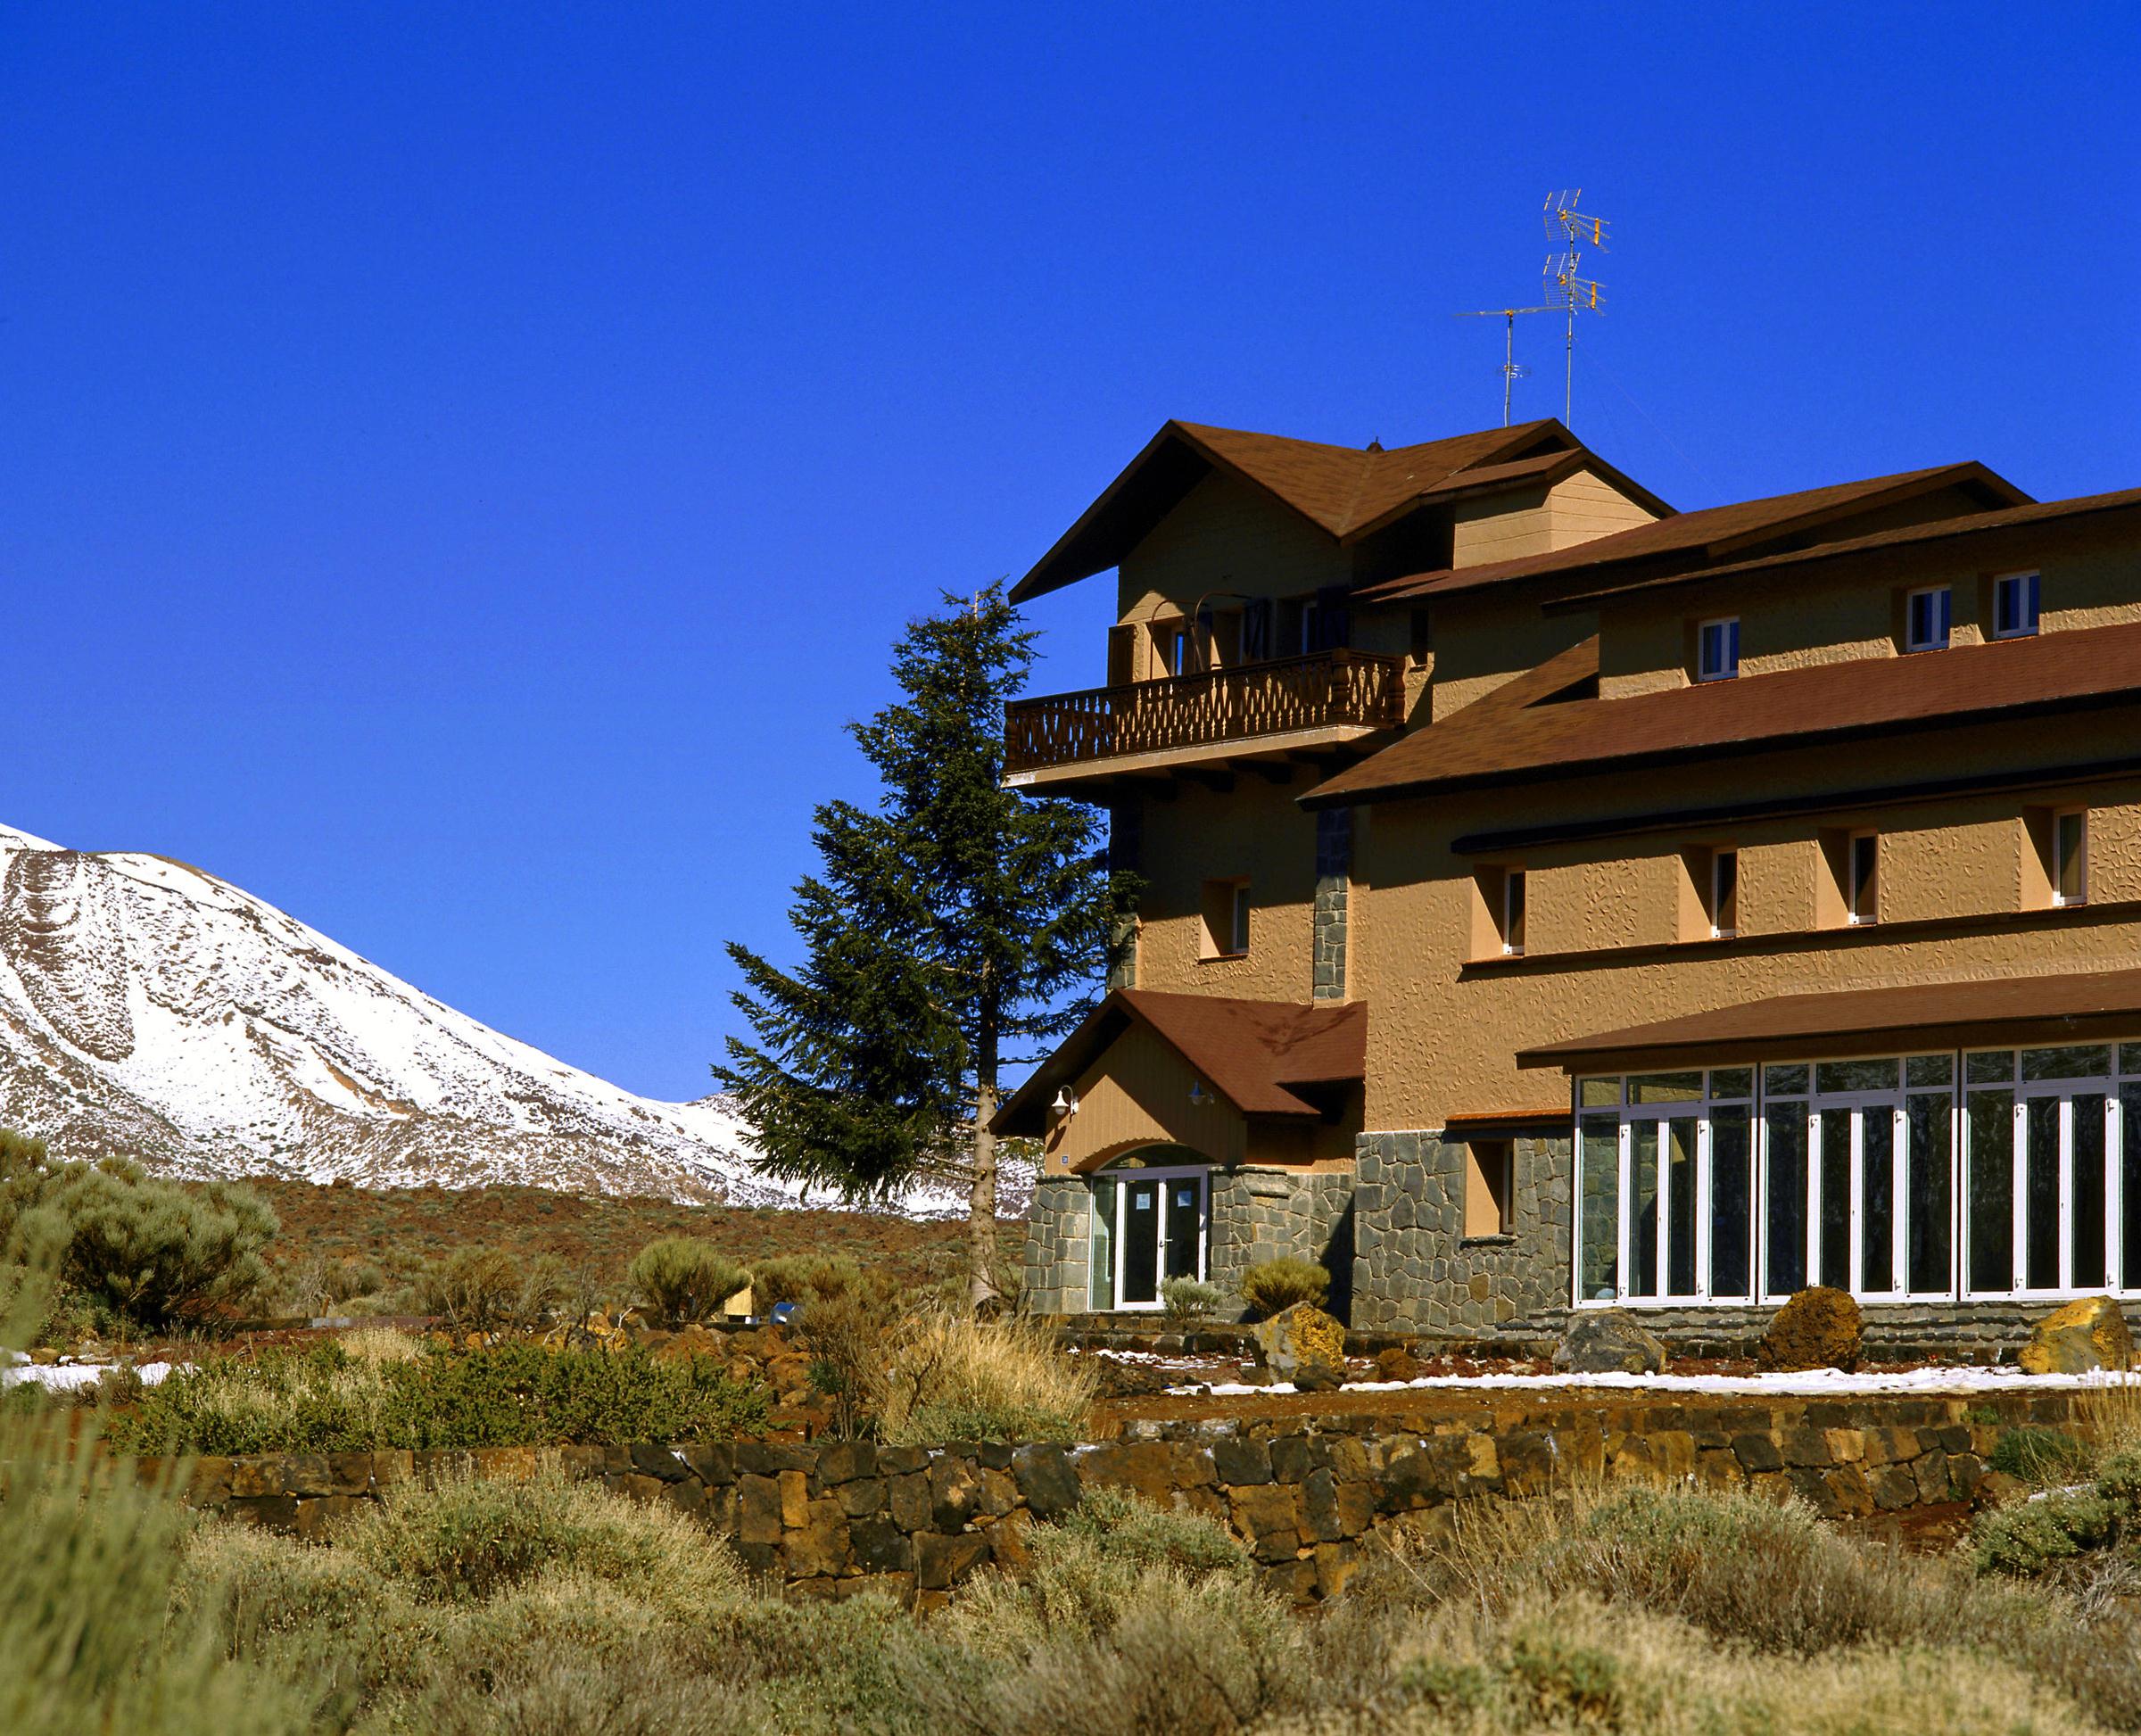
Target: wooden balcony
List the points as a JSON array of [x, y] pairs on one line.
[[1330, 695]]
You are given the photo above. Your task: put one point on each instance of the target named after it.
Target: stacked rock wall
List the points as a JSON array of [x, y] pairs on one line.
[[833, 1518]]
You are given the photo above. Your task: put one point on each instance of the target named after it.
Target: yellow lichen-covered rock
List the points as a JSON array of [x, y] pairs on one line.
[[1304, 1346], [2085, 1334], [1818, 1328]]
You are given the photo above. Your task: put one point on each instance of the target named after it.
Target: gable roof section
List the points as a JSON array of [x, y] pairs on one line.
[[1253, 1052], [2043, 1008], [1507, 737], [1345, 492], [1711, 535]]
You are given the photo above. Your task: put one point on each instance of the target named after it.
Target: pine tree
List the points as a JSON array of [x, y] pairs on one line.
[[953, 929]]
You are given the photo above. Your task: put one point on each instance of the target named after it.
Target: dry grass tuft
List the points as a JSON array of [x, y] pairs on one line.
[[951, 1377]]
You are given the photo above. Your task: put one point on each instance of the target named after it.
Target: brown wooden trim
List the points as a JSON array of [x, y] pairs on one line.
[[1924, 1038], [1805, 940]]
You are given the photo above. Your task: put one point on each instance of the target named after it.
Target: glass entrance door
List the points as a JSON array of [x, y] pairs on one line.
[[1140, 1240], [2062, 1217], [1148, 1225]]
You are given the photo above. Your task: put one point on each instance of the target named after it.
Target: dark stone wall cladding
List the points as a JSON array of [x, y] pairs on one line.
[[1059, 1231], [1259, 1213], [831, 1518], [1334, 873], [1414, 1269]]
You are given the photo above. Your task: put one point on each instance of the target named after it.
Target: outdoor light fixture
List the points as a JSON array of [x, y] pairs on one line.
[[1198, 1095], [1065, 1103]]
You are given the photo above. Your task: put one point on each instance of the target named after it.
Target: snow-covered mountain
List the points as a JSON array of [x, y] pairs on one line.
[[149, 1008]]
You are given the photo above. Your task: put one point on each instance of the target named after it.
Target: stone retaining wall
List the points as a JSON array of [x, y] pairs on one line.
[[831, 1518]]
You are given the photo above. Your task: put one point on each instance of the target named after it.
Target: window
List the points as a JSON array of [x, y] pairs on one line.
[[1225, 908], [1724, 893], [1717, 650], [2014, 606], [1861, 885], [1489, 1190], [1512, 912], [2070, 873], [1926, 619]]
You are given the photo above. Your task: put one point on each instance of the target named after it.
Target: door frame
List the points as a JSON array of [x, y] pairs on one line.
[[1124, 1179]]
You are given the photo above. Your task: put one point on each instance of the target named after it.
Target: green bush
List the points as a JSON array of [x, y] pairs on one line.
[[487, 1291], [683, 1280], [2029, 1536], [2049, 1458], [1271, 1286], [519, 1394], [1187, 1299], [801, 1278]]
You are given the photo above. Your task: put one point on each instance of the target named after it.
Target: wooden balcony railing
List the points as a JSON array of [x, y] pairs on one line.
[[1325, 691]]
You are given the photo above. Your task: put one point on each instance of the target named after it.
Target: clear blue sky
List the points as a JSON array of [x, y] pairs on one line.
[[459, 465]]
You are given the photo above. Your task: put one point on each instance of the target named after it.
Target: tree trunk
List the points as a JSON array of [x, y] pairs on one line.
[[981, 1207]]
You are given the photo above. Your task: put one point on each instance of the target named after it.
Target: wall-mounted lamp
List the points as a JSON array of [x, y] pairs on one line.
[[1198, 1095], [1065, 1105]]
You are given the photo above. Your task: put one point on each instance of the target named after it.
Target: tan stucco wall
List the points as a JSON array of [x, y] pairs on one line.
[[1585, 505], [1257, 832], [1226, 536], [1793, 617], [1138, 1094]]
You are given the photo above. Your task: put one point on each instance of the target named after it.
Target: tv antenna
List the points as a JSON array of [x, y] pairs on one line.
[[1567, 288], [1512, 370]]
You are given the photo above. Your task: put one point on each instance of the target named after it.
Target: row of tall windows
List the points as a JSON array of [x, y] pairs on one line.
[[1998, 1173]]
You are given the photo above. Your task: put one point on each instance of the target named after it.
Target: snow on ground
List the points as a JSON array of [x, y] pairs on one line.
[[1816, 1383], [68, 1376]]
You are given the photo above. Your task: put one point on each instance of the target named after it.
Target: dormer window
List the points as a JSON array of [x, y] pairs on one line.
[[1717, 649], [2014, 606], [1926, 619]]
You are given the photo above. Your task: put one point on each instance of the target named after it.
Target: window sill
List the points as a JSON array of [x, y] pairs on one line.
[[1499, 1239], [1221, 958]]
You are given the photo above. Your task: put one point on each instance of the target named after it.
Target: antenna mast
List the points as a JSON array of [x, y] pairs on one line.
[[1511, 369], [1565, 287]]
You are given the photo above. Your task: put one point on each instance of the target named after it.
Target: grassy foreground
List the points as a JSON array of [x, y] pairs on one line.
[[551, 1606]]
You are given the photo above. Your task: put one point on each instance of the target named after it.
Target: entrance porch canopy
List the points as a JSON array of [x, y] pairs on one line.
[[1263, 1058], [2004, 1012]]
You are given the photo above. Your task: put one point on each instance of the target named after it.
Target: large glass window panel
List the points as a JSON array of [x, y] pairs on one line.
[[2040, 1195], [1140, 1243], [1929, 1211], [2130, 1186], [1833, 1246], [1593, 1093], [1598, 1218], [1784, 1198], [1731, 1082], [1991, 1245], [1643, 1224], [1102, 1293], [2129, 1057], [1834, 1076], [1989, 1067], [1664, 1088], [1185, 1224], [1785, 1080], [1877, 1199], [2085, 1200], [1679, 1138], [1929, 1069], [1731, 1201], [2091, 1061]]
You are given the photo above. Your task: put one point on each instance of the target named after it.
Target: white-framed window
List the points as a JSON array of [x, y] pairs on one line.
[[1512, 912], [1239, 932], [2015, 605], [1926, 614], [2069, 864], [1725, 893], [1861, 878], [1717, 649], [1148, 1225]]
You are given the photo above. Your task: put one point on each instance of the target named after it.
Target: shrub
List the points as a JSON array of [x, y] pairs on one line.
[[137, 1249], [801, 1278], [1271, 1286], [951, 1377], [487, 1291], [327, 1400], [684, 1279], [2026, 1539], [1188, 1299], [2047, 1457], [850, 1334]]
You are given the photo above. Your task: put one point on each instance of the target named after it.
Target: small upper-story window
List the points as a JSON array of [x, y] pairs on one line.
[[1512, 912], [1862, 890], [1178, 648], [1225, 919], [2071, 858], [1725, 893], [1717, 649], [1926, 622], [2014, 606]]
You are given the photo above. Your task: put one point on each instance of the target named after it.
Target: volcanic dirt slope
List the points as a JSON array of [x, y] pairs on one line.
[[151, 1009]]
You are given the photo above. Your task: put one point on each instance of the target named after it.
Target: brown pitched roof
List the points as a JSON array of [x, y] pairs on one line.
[[1711, 534], [1345, 491], [2037, 512], [1253, 1052], [2041, 1009], [1513, 735]]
